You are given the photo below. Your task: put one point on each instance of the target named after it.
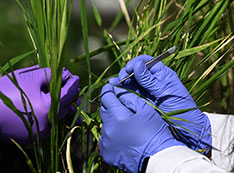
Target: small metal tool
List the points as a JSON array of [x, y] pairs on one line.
[[153, 61]]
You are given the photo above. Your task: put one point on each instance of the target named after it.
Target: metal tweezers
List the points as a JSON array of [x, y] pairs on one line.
[[153, 61]]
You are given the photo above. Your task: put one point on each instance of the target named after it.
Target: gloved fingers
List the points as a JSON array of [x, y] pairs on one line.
[[27, 69], [157, 68], [130, 65], [123, 74], [130, 100], [144, 77], [160, 68], [39, 77], [129, 69], [104, 115], [43, 76], [70, 90], [130, 83], [68, 93], [111, 107], [109, 99], [114, 80], [66, 74]]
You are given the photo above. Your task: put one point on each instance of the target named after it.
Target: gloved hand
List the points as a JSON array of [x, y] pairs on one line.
[[34, 82], [132, 129], [162, 85]]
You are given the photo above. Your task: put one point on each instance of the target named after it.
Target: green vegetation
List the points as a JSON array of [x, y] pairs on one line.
[[204, 61]]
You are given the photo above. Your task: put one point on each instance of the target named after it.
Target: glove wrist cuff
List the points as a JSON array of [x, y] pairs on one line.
[[206, 137], [144, 165]]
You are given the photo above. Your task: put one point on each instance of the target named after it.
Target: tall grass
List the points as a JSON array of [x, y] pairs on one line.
[[202, 31]]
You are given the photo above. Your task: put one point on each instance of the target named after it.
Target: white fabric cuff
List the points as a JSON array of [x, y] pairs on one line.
[[179, 159]]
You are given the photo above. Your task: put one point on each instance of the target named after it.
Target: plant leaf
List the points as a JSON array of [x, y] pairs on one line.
[[15, 60], [191, 51], [28, 160]]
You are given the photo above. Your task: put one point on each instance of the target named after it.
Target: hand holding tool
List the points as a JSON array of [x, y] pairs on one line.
[[132, 129], [153, 61]]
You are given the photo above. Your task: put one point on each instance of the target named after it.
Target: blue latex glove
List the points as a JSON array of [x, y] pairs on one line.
[[132, 129], [33, 81], [162, 85]]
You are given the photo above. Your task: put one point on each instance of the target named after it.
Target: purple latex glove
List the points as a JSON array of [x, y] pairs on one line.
[[34, 82], [132, 129], [162, 85]]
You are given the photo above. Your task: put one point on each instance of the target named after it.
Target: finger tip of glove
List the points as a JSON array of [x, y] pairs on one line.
[[139, 67], [106, 88], [66, 74], [123, 73], [113, 80], [131, 64], [158, 67], [36, 66]]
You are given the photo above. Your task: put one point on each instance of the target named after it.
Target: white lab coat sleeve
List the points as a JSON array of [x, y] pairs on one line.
[[181, 159], [222, 127]]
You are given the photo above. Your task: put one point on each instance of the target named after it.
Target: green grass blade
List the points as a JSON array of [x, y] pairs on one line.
[[37, 9], [69, 13], [23, 96], [168, 119], [216, 76], [209, 21], [191, 51], [28, 160], [85, 39], [181, 119], [96, 14], [201, 5], [218, 48], [10, 104], [88, 121], [98, 51], [63, 29], [177, 112], [118, 18], [208, 71], [107, 35], [214, 21], [126, 50], [92, 156], [187, 12], [190, 16], [16, 59], [163, 8], [127, 17]]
